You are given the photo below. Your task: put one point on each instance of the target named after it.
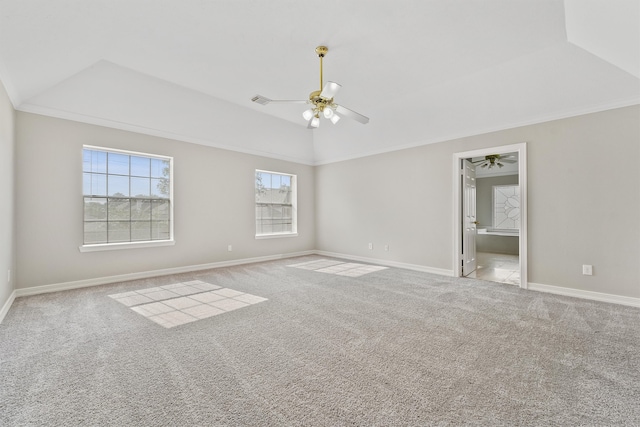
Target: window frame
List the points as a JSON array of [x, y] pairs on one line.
[[94, 247], [294, 207]]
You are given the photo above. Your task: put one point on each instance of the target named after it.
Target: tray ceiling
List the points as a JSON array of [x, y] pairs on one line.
[[422, 71]]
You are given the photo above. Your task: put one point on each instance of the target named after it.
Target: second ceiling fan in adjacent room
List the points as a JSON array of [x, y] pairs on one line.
[[493, 160]]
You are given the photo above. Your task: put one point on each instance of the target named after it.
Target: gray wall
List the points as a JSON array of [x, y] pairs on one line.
[[484, 208], [213, 193], [7, 196], [583, 189], [578, 213], [498, 244]]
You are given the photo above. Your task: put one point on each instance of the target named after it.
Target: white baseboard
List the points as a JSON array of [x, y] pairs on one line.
[[56, 287], [590, 295], [7, 306], [415, 267], [578, 293]]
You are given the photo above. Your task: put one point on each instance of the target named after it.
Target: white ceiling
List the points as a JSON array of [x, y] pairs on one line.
[[423, 71]]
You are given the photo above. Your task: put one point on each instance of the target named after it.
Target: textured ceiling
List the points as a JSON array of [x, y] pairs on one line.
[[423, 71]]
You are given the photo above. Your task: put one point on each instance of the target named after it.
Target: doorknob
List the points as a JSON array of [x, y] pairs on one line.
[[475, 222]]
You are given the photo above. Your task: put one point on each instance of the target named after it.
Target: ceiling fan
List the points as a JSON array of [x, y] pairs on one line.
[[493, 160], [321, 101]]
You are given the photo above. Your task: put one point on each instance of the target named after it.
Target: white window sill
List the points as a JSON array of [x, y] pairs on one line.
[[125, 245], [275, 236]]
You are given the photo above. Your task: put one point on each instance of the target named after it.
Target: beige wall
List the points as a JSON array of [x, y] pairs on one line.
[[583, 183], [583, 191], [213, 193], [7, 197]]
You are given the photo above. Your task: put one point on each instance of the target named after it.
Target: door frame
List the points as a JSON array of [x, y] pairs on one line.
[[521, 149]]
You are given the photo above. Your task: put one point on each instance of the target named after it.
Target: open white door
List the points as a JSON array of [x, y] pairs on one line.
[[462, 223], [470, 222]]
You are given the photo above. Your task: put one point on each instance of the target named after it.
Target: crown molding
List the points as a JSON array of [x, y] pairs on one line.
[[628, 102], [113, 124], [67, 115]]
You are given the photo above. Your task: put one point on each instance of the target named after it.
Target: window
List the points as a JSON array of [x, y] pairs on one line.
[[127, 197], [506, 207], [275, 204]]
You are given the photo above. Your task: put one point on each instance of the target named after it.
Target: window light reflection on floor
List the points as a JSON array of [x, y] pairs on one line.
[[180, 303], [349, 269]]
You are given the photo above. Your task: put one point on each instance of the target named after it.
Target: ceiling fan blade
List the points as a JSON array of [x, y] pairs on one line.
[[263, 100], [509, 160], [343, 111], [330, 89]]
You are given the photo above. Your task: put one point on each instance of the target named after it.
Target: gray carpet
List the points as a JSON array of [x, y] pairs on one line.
[[392, 347]]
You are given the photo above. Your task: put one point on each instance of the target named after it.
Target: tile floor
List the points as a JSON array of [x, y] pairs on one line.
[[185, 302], [497, 268], [330, 266]]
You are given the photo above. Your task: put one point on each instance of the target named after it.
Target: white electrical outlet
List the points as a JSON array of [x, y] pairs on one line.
[[370, 245], [386, 248], [587, 270], [230, 248]]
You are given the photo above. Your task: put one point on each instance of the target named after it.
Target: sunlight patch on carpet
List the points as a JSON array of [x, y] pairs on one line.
[[349, 269], [185, 302]]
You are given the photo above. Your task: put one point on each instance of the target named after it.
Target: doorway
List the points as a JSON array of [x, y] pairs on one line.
[[501, 255]]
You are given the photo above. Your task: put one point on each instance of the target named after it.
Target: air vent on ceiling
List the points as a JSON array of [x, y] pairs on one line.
[[261, 99]]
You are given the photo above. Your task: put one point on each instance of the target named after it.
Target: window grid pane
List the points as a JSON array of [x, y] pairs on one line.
[[95, 209], [117, 164], [118, 185], [141, 166], [138, 206], [94, 184], [118, 231], [140, 187], [95, 232], [140, 230], [140, 210]]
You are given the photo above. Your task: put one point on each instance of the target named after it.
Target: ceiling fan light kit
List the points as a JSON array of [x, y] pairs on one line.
[[494, 160], [321, 101], [307, 114]]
